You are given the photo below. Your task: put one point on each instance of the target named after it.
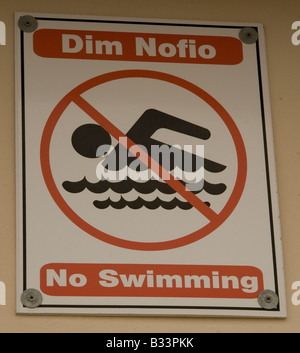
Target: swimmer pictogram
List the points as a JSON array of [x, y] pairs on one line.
[[86, 139]]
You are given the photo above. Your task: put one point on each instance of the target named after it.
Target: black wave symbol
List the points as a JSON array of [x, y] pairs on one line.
[[139, 203], [128, 185]]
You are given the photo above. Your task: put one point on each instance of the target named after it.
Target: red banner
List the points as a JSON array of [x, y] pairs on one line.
[[143, 280], [148, 47]]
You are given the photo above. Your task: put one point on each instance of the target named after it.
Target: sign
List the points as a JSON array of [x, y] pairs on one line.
[[145, 169]]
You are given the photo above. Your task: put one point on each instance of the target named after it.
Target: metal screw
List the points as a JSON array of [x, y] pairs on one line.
[[268, 299], [31, 298], [248, 35], [27, 23]]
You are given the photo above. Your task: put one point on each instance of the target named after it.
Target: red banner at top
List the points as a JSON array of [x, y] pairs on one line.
[[148, 47]]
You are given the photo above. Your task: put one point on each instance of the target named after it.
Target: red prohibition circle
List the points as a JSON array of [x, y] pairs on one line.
[[134, 245]]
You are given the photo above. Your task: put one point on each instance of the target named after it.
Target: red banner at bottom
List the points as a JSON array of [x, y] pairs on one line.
[[146, 280]]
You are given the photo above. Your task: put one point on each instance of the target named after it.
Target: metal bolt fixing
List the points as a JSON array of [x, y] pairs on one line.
[[27, 23], [268, 299], [31, 298], [248, 35]]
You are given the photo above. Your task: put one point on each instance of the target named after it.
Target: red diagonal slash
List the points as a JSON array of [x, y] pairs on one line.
[[145, 158]]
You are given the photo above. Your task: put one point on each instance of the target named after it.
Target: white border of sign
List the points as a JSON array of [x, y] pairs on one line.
[[271, 181]]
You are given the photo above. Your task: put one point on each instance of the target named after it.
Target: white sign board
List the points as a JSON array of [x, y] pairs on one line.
[[145, 169]]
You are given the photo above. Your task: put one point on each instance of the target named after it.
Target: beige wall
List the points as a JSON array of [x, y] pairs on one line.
[[284, 76]]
